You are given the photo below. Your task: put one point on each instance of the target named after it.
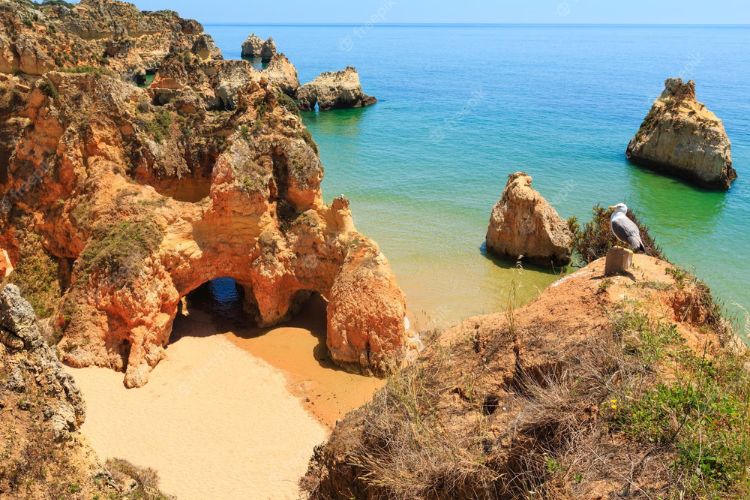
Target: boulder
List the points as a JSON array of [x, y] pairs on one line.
[[255, 47], [334, 90], [681, 137], [523, 225]]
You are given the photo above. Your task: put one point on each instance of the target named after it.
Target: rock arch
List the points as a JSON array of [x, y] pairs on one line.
[[103, 157]]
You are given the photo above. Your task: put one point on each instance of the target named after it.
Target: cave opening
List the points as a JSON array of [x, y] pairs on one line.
[[224, 305]]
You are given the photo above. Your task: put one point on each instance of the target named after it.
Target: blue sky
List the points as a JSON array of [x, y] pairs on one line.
[[464, 11]]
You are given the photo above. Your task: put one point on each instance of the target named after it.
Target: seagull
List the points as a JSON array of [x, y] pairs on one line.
[[625, 229]]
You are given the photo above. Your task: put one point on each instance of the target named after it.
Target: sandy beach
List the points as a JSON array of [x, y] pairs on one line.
[[217, 418]]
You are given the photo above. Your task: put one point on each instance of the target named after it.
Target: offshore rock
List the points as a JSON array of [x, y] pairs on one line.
[[681, 137], [334, 90], [523, 224], [255, 47]]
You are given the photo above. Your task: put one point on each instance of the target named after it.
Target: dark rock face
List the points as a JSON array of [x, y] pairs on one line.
[[682, 138], [30, 361]]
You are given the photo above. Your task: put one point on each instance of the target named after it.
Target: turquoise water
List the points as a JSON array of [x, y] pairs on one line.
[[461, 107]]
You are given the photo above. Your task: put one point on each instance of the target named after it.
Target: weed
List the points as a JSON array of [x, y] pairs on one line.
[[160, 126], [119, 250]]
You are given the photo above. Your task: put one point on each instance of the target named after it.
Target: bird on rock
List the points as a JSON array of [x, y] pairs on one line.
[[625, 229]]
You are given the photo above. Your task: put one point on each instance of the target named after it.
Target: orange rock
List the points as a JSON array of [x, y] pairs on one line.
[[147, 202], [524, 225]]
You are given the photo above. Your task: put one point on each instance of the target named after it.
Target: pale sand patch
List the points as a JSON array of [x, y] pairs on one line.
[[214, 421]]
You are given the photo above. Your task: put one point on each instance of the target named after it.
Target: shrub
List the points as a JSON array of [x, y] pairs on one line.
[[49, 89], [160, 126], [146, 480], [119, 250], [594, 240], [36, 274], [288, 103]]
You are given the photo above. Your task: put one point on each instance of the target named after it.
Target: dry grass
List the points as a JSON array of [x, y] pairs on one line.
[[143, 482]]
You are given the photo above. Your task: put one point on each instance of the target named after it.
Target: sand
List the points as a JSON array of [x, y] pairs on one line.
[[230, 413]]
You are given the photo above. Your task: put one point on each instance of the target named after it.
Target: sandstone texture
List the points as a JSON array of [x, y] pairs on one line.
[[255, 47], [119, 200], [524, 226], [105, 34], [681, 137], [511, 401], [334, 90]]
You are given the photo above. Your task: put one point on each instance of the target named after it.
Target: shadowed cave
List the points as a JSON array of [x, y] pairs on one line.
[[219, 306]]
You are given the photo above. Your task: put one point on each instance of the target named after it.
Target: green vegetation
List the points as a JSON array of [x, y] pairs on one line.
[[119, 250], [36, 274], [702, 417], [49, 89], [306, 136], [86, 70], [595, 238], [61, 3], [160, 126], [288, 103]]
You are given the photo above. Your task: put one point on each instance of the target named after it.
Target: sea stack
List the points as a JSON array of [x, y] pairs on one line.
[[524, 226], [334, 90], [681, 137], [256, 47]]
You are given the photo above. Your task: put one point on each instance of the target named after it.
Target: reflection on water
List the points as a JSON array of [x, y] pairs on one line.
[[339, 122], [673, 205]]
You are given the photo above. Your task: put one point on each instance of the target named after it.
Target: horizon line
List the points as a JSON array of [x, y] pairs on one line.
[[470, 24]]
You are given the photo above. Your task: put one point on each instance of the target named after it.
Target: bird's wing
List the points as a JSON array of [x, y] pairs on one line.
[[627, 231]]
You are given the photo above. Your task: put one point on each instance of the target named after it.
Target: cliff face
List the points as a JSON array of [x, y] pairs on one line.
[[524, 224], [40, 411], [35, 38], [126, 199], [680, 136], [587, 392]]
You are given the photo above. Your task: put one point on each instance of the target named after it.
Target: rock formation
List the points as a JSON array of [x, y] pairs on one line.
[[41, 411], [681, 137], [524, 225], [282, 73], [340, 89], [105, 34], [541, 400], [254, 47], [126, 199]]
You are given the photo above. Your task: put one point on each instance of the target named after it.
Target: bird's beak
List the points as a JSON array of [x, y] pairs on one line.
[[611, 208]]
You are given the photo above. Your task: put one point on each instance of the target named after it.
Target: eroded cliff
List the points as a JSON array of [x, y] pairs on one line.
[[120, 200]]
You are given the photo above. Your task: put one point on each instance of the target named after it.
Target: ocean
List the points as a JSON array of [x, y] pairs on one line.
[[462, 106]]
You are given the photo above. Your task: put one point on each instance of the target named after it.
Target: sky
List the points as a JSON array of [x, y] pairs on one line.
[[463, 11]]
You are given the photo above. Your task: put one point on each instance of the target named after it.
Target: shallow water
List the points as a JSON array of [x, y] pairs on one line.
[[461, 107]]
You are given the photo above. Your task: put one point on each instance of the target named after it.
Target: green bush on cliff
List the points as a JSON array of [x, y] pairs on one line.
[[36, 274], [701, 416], [595, 238], [160, 126], [118, 251], [288, 103]]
